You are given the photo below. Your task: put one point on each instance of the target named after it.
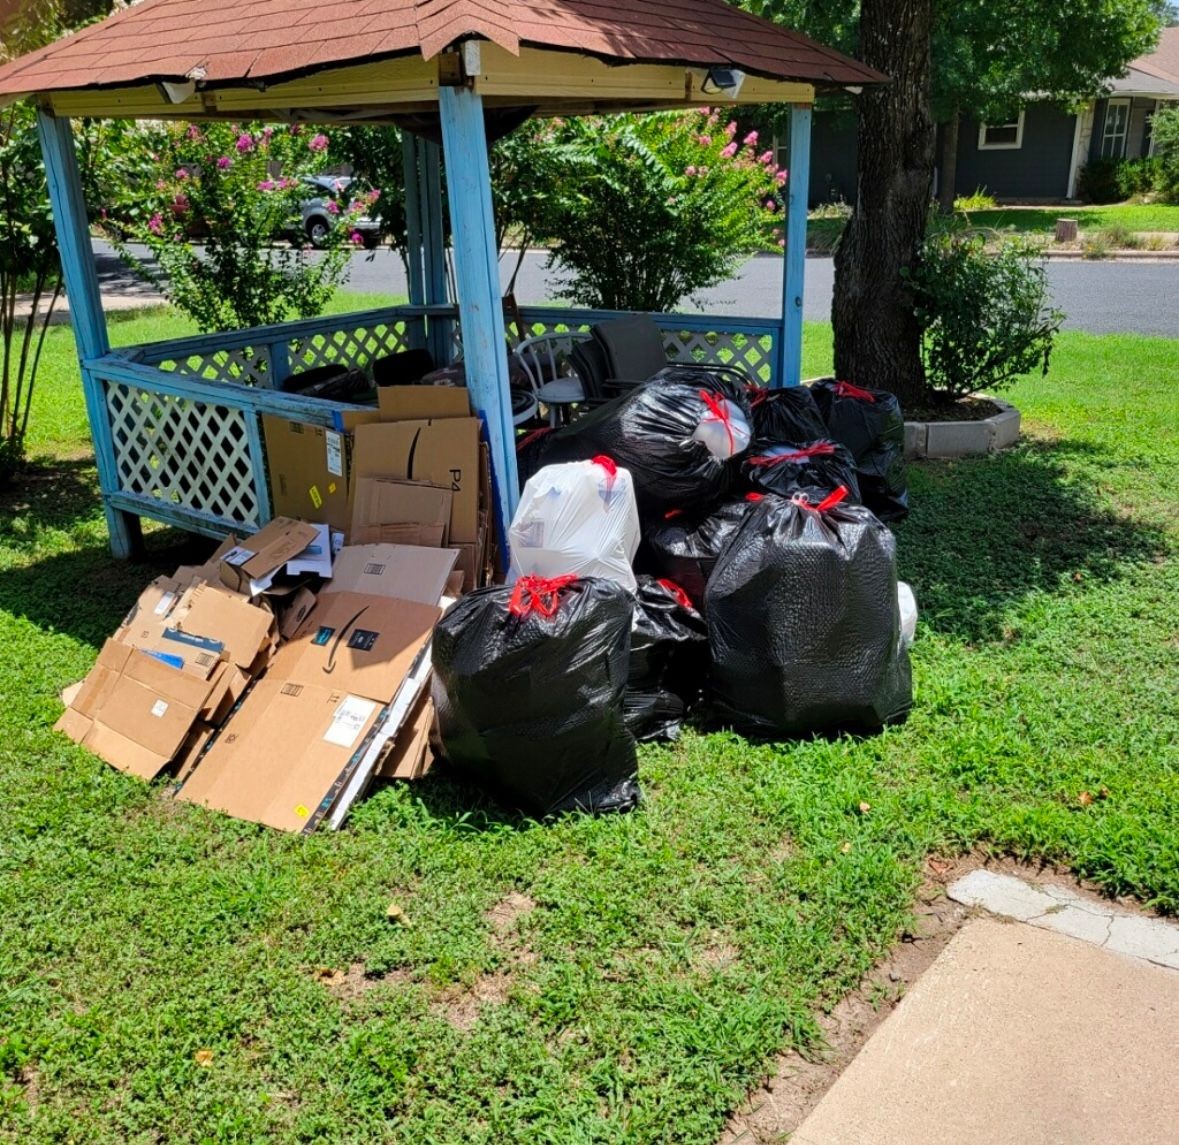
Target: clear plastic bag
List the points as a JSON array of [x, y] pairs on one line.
[[578, 519]]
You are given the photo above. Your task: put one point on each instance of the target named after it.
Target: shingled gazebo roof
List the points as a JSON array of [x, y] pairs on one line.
[[261, 43]]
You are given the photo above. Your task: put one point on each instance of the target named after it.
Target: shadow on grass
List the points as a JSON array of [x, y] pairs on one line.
[[75, 588], [987, 532]]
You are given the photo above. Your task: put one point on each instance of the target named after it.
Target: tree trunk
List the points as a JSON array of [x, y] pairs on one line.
[[948, 175], [877, 338]]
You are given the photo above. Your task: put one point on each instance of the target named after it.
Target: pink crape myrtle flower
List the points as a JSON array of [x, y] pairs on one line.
[[318, 143], [705, 140], [766, 158], [245, 142], [751, 139], [267, 132], [356, 238], [194, 133], [729, 151], [180, 204], [690, 170], [156, 224], [267, 185], [730, 129], [333, 207], [161, 185], [771, 205], [781, 177], [182, 173], [224, 163]]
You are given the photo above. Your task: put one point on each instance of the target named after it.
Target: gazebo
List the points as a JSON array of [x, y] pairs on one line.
[[177, 425]]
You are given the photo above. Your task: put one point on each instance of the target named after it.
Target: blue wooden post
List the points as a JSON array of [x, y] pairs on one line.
[[86, 316], [789, 371], [434, 250], [481, 311], [413, 234]]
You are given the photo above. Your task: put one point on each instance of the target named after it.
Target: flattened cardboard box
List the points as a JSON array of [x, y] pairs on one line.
[[441, 452], [282, 754], [408, 756], [402, 572], [260, 556], [309, 467], [381, 503], [133, 711], [289, 749]]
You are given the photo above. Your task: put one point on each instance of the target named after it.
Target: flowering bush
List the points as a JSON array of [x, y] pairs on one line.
[[651, 209], [233, 189]]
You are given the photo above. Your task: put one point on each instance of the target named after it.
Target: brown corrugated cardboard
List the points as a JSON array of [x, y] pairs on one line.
[[241, 627], [420, 536], [420, 403], [442, 452], [134, 711], [283, 753], [249, 564], [229, 685], [405, 572], [380, 501], [295, 610], [361, 644], [190, 754], [408, 756]]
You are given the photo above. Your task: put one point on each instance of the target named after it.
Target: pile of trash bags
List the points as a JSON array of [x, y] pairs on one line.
[[690, 548]]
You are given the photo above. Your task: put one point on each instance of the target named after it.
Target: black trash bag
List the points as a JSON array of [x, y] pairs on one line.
[[531, 453], [870, 423], [817, 467], [804, 627], [668, 660], [529, 684], [684, 548], [649, 429], [788, 416]]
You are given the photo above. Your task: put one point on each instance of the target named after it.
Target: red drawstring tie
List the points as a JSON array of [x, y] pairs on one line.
[[538, 594], [535, 435], [755, 496], [611, 468], [819, 449], [671, 514], [828, 502], [756, 394], [681, 597], [718, 410], [847, 390]]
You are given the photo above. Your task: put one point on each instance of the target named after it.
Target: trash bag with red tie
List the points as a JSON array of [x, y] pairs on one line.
[[529, 683], [804, 627], [816, 468]]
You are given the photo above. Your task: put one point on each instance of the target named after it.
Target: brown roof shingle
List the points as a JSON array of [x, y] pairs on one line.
[[278, 39]]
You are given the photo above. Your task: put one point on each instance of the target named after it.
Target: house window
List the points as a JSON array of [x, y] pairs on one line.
[[1117, 125], [1001, 136]]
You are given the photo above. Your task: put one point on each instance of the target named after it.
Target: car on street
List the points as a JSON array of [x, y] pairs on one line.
[[327, 200]]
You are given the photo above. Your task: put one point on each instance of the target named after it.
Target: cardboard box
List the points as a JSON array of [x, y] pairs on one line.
[[283, 754], [421, 403], [134, 711], [403, 572], [408, 756], [249, 567], [384, 510], [442, 452], [309, 467]]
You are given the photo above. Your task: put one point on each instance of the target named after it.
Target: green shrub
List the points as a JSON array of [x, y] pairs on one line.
[[1165, 133], [985, 317], [979, 201], [650, 209], [1098, 182], [217, 185], [1137, 176]]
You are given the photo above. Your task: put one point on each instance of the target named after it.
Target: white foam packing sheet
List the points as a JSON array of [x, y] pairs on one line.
[[387, 730]]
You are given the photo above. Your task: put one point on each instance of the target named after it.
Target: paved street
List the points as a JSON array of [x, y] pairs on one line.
[[1101, 297]]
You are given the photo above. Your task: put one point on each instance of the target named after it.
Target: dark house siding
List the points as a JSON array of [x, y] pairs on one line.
[[833, 158], [1036, 170]]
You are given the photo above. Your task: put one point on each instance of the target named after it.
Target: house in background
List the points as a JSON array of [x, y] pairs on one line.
[[1036, 157]]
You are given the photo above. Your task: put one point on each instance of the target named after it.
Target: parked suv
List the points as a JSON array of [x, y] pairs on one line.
[[318, 220]]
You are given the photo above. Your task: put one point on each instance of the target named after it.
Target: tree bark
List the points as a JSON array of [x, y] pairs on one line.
[[877, 337], [947, 189]]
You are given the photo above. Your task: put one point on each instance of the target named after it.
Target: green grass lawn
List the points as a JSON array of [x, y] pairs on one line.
[[167, 974], [1132, 216]]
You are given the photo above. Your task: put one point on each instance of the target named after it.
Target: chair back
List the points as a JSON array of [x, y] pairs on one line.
[[633, 345], [546, 357]]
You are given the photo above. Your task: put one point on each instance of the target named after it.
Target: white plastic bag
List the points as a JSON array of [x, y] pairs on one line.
[[724, 430], [908, 603], [580, 519]]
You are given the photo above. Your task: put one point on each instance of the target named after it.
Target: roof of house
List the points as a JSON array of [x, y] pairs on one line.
[[1156, 72], [251, 41]]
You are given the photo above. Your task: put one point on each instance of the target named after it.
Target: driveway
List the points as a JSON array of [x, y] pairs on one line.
[[1100, 297]]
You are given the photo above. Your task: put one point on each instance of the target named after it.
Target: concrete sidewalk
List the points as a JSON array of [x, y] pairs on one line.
[[1017, 1034]]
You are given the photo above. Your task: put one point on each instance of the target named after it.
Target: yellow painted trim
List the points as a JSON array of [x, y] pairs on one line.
[[560, 83]]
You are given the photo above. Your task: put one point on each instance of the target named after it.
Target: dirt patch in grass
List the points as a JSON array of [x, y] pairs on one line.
[[966, 409], [462, 1005], [508, 911], [355, 982], [775, 1110]]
